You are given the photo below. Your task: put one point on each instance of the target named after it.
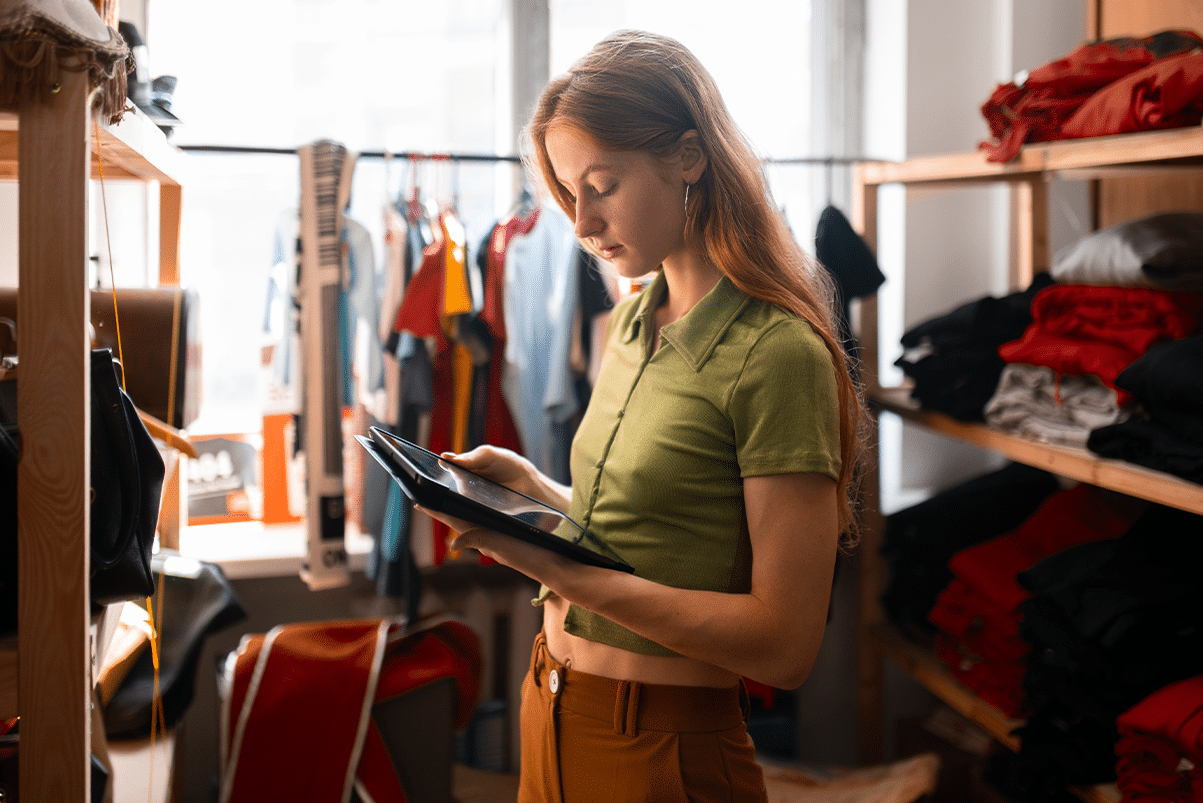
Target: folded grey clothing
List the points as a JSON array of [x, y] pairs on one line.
[[1035, 402], [1163, 251]]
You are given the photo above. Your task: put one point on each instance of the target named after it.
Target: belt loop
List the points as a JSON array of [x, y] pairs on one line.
[[537, 658], [626, 708], [745, 702]]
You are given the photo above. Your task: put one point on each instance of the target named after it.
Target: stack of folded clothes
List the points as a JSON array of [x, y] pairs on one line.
[[978, 613], [1061, 378], [1042, 405], [1120, 294], [953, 358], [920, 540], [1167, 381], [1101, 330], [1160, 745], [1109, 623]]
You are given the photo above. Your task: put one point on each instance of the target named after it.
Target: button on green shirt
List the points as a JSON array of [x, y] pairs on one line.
[[737, 388]]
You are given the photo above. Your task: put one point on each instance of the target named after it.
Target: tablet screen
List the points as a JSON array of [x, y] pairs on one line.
[[486, 492], [435, 483]]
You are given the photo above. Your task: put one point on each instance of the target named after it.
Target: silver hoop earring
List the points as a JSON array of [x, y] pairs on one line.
[[687, 197]]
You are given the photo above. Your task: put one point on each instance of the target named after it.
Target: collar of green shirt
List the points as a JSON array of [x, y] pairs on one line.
[[696, 333]]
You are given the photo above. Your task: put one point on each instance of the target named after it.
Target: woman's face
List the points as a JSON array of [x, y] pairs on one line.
[[630, 207]]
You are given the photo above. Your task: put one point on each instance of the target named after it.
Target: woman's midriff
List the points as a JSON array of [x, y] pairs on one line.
[[615, 662]]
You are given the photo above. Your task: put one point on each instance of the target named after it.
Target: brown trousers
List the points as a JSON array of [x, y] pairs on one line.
[[589, 739]]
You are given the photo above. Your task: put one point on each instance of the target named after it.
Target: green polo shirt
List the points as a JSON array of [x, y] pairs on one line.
[[737, 388]]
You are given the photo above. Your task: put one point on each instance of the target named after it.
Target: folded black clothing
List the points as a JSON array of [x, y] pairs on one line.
[[1107, 622], [1052, 757], [1150, 444], [1107, 619], [1168, 381], [920, 540], [958, 384], [953, 358]]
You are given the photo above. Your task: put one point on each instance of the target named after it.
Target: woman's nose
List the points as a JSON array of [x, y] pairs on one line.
[[587, 223]]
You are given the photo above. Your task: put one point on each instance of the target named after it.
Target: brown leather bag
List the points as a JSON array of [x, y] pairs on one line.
[[161, 354]]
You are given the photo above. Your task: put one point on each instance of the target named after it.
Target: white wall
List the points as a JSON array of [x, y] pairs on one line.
[[932, 65], [942, 248]]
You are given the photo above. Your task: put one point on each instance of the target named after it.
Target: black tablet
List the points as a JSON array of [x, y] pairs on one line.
[[444, 487]]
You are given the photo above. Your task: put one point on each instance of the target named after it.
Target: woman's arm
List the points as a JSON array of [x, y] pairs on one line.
[[771, 634]]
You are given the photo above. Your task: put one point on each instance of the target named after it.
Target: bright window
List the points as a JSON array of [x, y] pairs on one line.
[[410, 76]]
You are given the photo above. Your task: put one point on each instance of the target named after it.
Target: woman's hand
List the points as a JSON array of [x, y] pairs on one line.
[[541, 565], [513, 471]]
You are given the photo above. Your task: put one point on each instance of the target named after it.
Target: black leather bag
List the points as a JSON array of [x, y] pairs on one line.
[[126, 482]]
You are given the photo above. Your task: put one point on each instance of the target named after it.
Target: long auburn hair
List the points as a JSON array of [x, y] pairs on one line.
[[639, 91]]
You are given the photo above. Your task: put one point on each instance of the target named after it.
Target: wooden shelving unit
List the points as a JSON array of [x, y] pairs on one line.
[[52, 149], [1076, 464], [1092, 156], [930, 672], [1132, 154]]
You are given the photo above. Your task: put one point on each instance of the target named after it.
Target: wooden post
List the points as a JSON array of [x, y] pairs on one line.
[[169, 235], [53, 411], [870, 658], [1029, 251]]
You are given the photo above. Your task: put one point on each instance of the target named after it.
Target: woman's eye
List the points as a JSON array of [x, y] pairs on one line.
[[605, 193]]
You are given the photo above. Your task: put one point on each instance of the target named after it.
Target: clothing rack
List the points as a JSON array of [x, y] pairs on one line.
[[410, 155], [827, 161]]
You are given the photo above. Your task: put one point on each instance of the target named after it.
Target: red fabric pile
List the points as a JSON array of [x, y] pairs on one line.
[[1108, 87], [1160, 746], [1100, 330], [977, 613]]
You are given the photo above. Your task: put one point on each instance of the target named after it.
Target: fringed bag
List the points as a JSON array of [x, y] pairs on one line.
[[39, 39]]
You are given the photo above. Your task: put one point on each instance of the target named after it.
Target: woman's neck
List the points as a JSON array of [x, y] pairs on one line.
[[688, 280]]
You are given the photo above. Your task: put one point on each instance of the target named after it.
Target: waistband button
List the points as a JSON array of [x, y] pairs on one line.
[[553, 681]]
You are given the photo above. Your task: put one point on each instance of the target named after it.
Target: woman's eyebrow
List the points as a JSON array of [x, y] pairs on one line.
[[597, 167]]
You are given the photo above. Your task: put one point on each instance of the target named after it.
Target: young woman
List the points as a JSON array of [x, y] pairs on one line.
[[716, 455]]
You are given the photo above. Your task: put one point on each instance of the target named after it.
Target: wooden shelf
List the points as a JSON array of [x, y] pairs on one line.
[[134, 149], [931, 673], [8, 677], [1094, 156], [1067, 461]]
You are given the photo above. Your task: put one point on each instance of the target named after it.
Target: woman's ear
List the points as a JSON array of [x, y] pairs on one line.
[[693, 157]]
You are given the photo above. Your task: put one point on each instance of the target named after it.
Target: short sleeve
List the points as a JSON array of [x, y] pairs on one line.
[[785, 405]]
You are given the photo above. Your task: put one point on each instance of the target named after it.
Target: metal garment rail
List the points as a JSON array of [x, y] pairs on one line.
[[827, 161], [410, 155]]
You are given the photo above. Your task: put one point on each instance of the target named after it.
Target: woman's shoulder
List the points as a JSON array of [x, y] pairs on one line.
[[766, 327]]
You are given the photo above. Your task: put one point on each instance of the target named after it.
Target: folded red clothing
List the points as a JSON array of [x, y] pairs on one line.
[[962, 613], [1100, 330], [1160, 748], [981, 646], [1166, 94], [999, 683], [1036, 108], [977, 613], [1067, 518]]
